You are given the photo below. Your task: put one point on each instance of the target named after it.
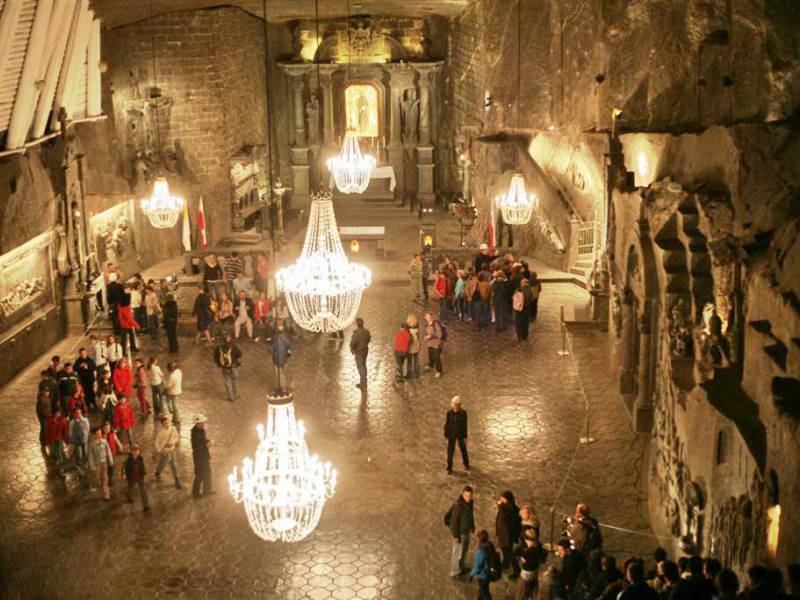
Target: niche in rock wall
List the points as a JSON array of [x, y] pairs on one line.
[[112, 239]]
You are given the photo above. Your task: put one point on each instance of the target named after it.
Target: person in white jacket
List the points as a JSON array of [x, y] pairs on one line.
[[172, 389], [167, 440]]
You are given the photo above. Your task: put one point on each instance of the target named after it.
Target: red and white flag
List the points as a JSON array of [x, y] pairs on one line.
[[187, 229], [491, 225], [201, 225]]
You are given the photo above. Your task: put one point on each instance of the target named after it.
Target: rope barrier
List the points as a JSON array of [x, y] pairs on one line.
[[625, 530], [83, 335]]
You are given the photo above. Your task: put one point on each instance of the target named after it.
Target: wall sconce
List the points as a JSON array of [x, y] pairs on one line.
[[354, 246], [616, 113]]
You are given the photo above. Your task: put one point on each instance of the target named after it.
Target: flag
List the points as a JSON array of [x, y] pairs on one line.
[[201, 225], [187, 229], [491, 225]]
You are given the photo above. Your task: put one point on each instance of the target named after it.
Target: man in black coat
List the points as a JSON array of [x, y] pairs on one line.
[[228, 357], [501, 301], [455, 430], [573, 563], [201, 457], [461, 524], [85, 370], [508, 526], [67, 386], [115, 296], [171, 322]]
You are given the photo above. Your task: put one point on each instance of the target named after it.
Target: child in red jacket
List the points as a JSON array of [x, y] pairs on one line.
[[114, 446], [56, 434], [141, 387], [76, 402], [125, 420], [123, 378], [402, 344]]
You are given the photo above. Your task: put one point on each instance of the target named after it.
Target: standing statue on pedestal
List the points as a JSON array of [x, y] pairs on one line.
[[140, 171], [410, 108], [312, 112]]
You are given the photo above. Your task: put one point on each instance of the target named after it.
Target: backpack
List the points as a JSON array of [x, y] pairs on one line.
[[493, 563], [518, 301]]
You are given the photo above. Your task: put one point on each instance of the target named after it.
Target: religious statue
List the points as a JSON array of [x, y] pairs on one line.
[[312, 112], [410, 108], [140, 171], [680, 331], [362, 114]]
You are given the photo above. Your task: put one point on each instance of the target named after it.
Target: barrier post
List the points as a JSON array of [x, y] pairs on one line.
[[563, 351]]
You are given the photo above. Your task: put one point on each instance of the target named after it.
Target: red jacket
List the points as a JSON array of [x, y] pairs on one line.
[[56, 429], [77, 402], [442, 286], [125, 316], [123, 416], [122, 381], [402, 341], [262, 308], [113, 443]]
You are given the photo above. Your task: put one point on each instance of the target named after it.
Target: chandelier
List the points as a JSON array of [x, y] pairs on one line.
[[162, 208], [351, 169], [284, 490], [323, 288], [516, 205]]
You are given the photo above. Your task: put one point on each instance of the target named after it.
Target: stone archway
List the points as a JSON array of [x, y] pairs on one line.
[[639, 343]]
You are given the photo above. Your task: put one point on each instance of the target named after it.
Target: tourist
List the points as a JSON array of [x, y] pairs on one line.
[[359, 347], [241, 284], [171, 322], [202, 311], [137, 305], [115, 297], [261, 272], [244, 314], [483, 258], [173, 387], [141, 384], [44, 410], [412, 370], [461, 521], [212, 276], [521, 303], [228, 358], [54, 368], [481, 565], [528, 520], [728, 584], [280, 350], [609, 578], [56, 435], [434, 341], [440, 293], [508, 527], [201, 457], [85, 369], [531, 556], [99, 354], [263, 315], [638, 588], [232, 267], [163, 290], [99, 459], [402, 345], [123, 378], [78, 437], [155, 379], [76, 402], [501, 302], [106, 397], [152, 311], [669, 576], [125, 419], [415, 277], [460, 295], [114, 446], [127, 324], [793, 578], [472, 296], [584, 530], [68, 385], [573, 563], [135, 476], [455, 431], [692, 584], [484, 299], [225, 314], [166, 443], [426, 273], [48, 386], [281, 315], [536, 290], [113, 352]]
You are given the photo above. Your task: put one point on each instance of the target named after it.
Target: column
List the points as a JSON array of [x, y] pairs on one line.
[[642, 408], [299, 152], [326, 79], [298, 86], [424, 108], [401, 77], [627, 376], [425, 163]]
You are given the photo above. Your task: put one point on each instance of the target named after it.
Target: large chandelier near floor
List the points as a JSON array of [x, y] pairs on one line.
[[284, 489], [516, 205], [323, 288], [351, 169], [162, 208]]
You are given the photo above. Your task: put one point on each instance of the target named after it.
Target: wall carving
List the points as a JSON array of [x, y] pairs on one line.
[[737, 526], [21, 294], [113, 238]]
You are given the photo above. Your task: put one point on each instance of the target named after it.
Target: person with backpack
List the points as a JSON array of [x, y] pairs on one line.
[[435, 336], [486, 567], [228, 357], [521, 305], [460, 519], [455, 430], [536, 289]]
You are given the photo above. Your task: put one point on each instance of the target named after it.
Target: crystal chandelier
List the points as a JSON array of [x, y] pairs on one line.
[[351, 169], [516, 205], [323, 288], [162, 208], [284, 490]]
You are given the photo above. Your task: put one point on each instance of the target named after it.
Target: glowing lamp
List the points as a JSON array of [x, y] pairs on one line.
[[162, 208]]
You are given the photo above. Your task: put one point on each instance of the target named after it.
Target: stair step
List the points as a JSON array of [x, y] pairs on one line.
[[669, 243], [583, 264], [577, 271]]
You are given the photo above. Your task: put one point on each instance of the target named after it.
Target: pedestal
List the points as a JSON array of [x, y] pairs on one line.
[[77, 309], [425, 193]]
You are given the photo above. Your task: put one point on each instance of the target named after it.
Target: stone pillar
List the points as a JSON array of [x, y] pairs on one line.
[[401, 77], [298, 87], [642, 408], [424, 108], [627, 376], [425, 164], [299, 152], [326, 79]]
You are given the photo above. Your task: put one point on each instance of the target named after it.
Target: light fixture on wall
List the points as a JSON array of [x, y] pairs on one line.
[[351, 169], [285, 489], [516, 205], [161, 208], [323, 288]]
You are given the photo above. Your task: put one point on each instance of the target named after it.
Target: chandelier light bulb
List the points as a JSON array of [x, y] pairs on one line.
[[162, 208], [351, 169], [323, 288], [516, 205], [284, 489]]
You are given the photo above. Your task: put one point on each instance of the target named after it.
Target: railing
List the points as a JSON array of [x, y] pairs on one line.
[[587, 237]]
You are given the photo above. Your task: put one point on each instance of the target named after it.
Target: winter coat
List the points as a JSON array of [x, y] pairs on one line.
[[44, 405], [167, 439], [402, 341], [134, 469], [507, 524], [123, 379], [281, 349], [227, 356], [56, 429], [433, 335], [455, 424], [99, 454], [462, 519], [77, 403], [84, 368], [585, 532], [79, 430], [124, 418], [173, 383], [481, 260], [200, 452], [125, 316], [67, 384], [359, 341], [480, 568], [170, 311]]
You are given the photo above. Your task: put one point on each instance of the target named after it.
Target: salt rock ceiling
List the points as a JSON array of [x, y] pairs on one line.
[[119, 12]]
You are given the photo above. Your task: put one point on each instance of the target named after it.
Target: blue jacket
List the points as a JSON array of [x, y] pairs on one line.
[[281, 347], [480, 568]]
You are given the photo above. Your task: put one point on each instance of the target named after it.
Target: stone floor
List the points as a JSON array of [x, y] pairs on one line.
[[381, 535]]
